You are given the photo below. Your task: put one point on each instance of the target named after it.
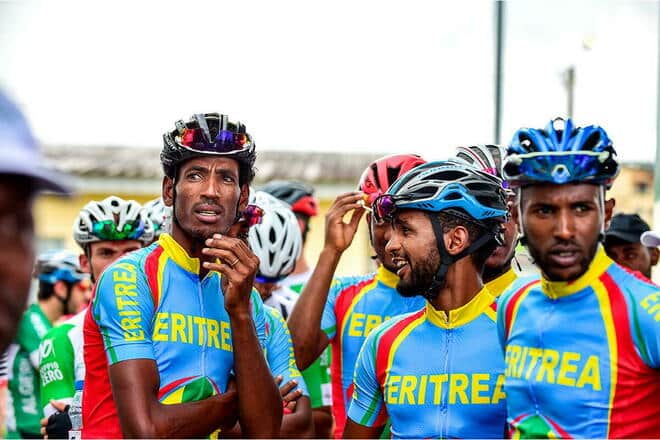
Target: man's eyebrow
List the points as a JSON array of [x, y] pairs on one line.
[[197, 168]]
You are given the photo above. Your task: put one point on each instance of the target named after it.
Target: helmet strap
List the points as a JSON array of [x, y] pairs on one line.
[[446, 260]]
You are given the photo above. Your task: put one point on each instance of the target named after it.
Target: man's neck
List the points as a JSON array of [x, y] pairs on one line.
[[52, 308], [192, 246], [490, 275], [301, 266], [462, 284]]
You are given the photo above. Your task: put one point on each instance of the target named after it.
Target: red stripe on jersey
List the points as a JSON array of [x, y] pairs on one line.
[[100, 419], [170, 386], [494, 306], [635, 406], [342, 304], [511, 305], [385, 345], [151, 271]]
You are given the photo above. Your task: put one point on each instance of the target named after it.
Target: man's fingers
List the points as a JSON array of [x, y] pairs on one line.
[[287, 387], [60, 406], [294, 395]]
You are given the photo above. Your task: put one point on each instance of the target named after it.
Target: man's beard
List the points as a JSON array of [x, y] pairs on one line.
[[542, 263], [490, 273], [422, 276]]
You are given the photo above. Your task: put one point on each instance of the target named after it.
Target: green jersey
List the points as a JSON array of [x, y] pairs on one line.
[[317, 375], [24, 404], [61, 363]]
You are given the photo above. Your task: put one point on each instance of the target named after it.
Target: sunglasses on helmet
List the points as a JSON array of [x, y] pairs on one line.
[[107, 230]]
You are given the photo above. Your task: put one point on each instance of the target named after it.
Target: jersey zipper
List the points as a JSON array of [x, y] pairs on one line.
[[201, 308]]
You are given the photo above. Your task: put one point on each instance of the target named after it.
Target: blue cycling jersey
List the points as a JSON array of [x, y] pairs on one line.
[[151, 304]]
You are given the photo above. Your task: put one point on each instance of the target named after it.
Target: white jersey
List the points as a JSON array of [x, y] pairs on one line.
[[283, 299]]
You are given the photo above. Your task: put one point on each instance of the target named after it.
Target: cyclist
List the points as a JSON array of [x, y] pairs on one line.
[[342, 312], [317, 375], [171, 322], [277, 241], [160, 216], [97, 231], [623, 244], [22, 176], [582, 341], [436, 372], [305, 206], [62, 287], [498, 271]]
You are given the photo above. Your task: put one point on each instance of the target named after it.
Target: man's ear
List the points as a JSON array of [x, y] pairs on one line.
[[609, 209], [85, 266], [168, 191], [244, 197], [456, 240], [655, 256], [60, 289]]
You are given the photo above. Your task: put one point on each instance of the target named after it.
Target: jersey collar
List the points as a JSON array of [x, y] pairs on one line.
[[499, 284], [178, 254], [462, 315], [386, 277], [558, 289]]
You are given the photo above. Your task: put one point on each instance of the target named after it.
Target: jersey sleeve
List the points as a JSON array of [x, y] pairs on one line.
[[56, 368], [30, 331], [367, 406], [123, 309], [329, 318], [645, 322], [279, 351], [259, 317]]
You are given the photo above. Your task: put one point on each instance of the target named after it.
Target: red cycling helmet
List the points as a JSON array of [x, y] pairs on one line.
[[381, 173]]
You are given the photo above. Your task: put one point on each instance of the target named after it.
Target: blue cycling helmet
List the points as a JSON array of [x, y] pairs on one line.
[[59, 265], [457, 189], [561, 153]]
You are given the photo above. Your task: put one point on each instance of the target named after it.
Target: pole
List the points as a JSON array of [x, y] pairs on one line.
[[499, 37]]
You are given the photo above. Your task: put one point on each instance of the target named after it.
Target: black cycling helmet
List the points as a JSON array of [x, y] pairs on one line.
[[297, 194], [208, 134]]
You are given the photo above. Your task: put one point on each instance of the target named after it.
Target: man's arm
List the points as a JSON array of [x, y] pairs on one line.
[[355, 430], [135, 385], [305, 321], [260, 405]]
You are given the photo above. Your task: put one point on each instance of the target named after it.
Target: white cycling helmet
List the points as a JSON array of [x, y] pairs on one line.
[[159, 214], [112, 219], [276, 240]]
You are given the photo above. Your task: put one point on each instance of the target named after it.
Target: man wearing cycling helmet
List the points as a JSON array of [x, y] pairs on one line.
[[436, 373], [271, 230], [498, 271], [170, 324], [582, 341], [22, 177], [305, 206], [105, 230], [62, 289], [343, 311], [317, 375]]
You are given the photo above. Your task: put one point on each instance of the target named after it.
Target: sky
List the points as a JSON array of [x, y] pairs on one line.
[[342, 76]]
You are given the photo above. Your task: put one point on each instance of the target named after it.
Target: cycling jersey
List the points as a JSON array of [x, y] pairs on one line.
[[498, 285], [151, 304], [356, 306], [61, 362], [297, 281], [24, 404], [434, 375], [279, 350], [317, 375], [582, 357]]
